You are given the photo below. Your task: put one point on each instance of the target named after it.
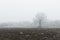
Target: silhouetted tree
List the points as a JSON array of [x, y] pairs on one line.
[[39, 19]]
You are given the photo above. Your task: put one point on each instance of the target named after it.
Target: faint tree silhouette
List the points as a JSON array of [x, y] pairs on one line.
[[39, 19]]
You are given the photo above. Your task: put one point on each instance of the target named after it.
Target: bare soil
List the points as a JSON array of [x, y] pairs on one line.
[[29, 34]]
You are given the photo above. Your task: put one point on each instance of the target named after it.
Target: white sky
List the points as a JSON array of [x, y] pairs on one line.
[[21, 10]]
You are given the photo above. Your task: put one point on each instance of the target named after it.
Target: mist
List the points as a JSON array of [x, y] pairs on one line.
[[21, 13]]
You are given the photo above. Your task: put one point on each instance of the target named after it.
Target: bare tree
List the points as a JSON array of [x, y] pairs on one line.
[[39, 19]]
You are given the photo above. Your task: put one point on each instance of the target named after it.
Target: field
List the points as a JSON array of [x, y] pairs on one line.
[[29, 34]]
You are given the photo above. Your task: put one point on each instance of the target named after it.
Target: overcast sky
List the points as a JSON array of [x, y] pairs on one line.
[[25, 10]]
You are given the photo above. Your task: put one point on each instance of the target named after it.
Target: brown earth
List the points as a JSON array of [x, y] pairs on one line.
[[29, 34]]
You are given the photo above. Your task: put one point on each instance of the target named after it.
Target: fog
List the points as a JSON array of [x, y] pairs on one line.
[[23, 11]]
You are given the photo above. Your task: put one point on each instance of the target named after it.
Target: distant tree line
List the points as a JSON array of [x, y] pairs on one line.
[[39, 21]]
